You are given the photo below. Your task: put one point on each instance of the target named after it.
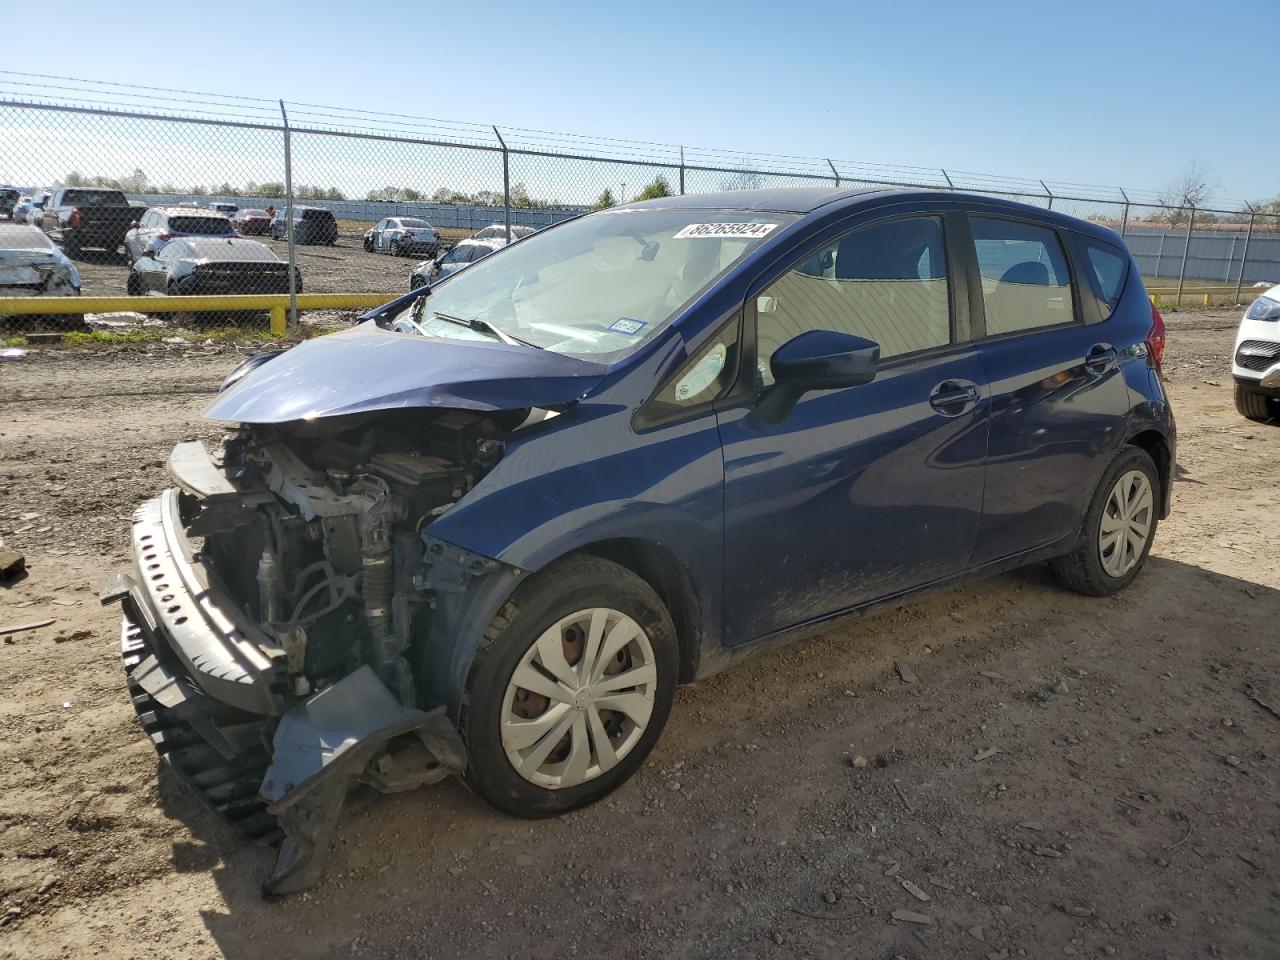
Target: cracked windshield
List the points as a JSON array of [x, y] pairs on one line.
[[596, 287]]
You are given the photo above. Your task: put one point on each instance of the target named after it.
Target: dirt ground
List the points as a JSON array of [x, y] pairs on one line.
[[1065, 777], [343, 268]]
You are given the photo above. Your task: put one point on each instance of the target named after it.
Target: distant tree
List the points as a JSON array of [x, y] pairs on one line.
[[333, 193], [487, 198], [1189, 189], [135, 182], [273, 190], [605, 200], [198, 191], [74, 179], [658, 188], [742, 180]]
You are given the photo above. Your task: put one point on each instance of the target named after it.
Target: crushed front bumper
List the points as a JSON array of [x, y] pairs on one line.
[[211, 689]]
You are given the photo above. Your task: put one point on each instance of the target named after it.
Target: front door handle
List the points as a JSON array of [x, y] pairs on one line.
[[1101, 358], [951, 398]]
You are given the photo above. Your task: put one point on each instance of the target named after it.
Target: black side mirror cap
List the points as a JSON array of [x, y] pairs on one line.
[[817, 360]]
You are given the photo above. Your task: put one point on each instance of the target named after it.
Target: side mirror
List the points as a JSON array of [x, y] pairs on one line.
[[817, 360]]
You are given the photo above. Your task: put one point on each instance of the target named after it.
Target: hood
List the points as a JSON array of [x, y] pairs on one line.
[[366, 368]]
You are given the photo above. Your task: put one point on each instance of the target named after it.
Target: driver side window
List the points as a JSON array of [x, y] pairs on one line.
[[886, 282]]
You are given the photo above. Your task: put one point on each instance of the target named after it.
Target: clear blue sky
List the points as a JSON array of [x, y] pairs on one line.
[[1096, 92]]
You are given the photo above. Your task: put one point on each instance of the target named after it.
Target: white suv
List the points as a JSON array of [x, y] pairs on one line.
[[1256, 362]]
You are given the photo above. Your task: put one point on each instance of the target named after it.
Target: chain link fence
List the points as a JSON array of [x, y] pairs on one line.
[[125, 191]]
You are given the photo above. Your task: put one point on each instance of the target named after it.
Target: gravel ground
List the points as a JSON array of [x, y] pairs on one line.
[[1065, 777]]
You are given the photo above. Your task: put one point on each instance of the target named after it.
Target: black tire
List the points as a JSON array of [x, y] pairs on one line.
[[1082, 570], [397, 249], [1253, 406], [569, 585], [71, 245], [368, 244], [132, 287]]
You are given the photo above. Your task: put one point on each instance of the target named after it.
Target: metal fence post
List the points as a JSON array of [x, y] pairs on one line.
[[1124, 222], [834, 172], [506, 183], [1186, 248], [1245, 256], [682, 171], [1048, 193], [288, 213], [947, 177]]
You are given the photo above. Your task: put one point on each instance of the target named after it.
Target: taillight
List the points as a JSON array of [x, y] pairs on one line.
[[1156, 337], [74, 219]]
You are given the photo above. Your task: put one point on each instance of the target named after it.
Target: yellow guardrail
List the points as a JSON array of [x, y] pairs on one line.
[[276, 304]]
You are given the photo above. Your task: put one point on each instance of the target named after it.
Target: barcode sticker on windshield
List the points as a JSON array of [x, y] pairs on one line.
[[748, 231]]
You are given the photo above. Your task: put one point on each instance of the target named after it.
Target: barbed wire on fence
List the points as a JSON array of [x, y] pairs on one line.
[[311, 192]]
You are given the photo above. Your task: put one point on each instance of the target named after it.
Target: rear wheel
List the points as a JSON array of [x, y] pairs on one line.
[[397, 248], [570, 690], [1119, 528], [1253, 406]]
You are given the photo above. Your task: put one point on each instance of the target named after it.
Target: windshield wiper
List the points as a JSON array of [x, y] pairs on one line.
[[484, 326]]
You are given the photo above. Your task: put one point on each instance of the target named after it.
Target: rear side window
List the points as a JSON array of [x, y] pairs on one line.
[[316, 215], [1025, 282], [1108, 268], [886, 282], [201, 225]]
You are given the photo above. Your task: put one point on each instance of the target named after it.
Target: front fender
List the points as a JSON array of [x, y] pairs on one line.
[[585, 481]]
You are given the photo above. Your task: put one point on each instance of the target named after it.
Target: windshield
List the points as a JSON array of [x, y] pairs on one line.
[[413, 223], [596, 287]]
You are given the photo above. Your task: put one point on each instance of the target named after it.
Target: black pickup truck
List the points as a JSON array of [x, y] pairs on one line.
[[89, 217]]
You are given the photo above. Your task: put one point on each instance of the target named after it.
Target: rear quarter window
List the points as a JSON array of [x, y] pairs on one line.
[[1108, 268]]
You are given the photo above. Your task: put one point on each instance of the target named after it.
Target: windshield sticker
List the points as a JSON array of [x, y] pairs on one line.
[[748, 231], [628, 326]]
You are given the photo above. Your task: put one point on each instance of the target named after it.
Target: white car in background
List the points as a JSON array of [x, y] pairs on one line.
[[1256, 360], [31, 266], [31, 209], [459, 258], [403, 237], [498, 231]]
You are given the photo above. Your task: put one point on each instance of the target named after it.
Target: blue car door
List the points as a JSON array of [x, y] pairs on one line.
[[868, 491], [1059, 403]]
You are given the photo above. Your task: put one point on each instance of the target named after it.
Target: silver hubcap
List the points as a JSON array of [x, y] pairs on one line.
[[1126, 523], [580, 698]]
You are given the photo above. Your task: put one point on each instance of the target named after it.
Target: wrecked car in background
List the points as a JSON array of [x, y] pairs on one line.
[[489, 530], [31, 266]]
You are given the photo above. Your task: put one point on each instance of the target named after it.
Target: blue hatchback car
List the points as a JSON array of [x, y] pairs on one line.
[[490, 529]]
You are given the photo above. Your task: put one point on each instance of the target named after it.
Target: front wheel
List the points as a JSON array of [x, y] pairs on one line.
[[570, 689], [1253, 406], [1119, 528]]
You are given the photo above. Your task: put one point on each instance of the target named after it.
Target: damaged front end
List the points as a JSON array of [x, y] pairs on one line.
[[276, 620]]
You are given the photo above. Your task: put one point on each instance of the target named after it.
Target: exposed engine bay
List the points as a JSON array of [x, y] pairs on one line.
[[337, 544], [274, 626]]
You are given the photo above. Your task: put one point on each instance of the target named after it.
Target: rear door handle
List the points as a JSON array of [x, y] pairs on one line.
[[1101, 358], [951, 398]]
